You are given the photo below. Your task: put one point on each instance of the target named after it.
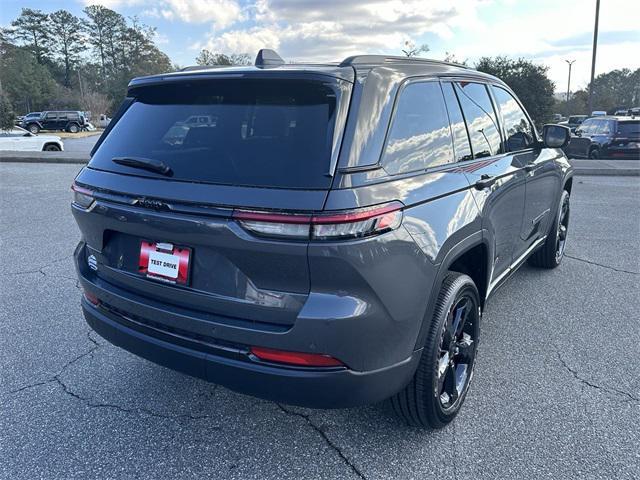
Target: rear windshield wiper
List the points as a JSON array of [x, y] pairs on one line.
[[157, 166]]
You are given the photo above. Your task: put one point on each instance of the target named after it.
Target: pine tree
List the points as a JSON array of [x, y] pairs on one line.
[[32, 27], [67, 30]]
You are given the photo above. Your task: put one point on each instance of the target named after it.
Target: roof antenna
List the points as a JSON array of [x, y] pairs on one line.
[[268, 58]]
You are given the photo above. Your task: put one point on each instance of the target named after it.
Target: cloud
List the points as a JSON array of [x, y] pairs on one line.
[[220, 13], [324, 30], [114, 4]]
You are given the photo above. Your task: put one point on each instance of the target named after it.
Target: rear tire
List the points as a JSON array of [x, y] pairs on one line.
[[594, 154], [551, 253], [439, 386], [33, 128]]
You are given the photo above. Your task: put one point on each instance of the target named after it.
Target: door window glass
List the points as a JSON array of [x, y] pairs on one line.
[[517, 127], [480, 118], [458, 128], [587, 127]]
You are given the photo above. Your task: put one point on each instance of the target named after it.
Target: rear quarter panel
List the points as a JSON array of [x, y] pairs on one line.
[[392, 279]]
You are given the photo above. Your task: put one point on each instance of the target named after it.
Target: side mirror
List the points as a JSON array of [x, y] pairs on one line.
[[555, 136]]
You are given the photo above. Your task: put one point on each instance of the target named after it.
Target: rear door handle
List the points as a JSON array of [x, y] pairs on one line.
[[530, 167], [485, 182]]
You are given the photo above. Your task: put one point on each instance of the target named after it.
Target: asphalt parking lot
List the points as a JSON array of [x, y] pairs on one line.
[[80, 144], [556, 392]]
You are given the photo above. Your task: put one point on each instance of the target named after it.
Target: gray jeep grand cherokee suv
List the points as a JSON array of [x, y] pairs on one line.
[[328, 237]]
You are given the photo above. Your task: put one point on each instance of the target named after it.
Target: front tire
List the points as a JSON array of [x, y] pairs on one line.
[[594, 154], [551, 253], [73, 128], [51, 147], [439, 386]]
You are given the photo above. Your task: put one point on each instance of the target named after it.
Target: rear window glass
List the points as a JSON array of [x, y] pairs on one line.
[[251, 132], [420, 136], [629, 129]]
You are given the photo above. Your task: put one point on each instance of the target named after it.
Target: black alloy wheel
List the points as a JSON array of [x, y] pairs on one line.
[[440, 383], [457, 354], [551, 252], [563, 228]]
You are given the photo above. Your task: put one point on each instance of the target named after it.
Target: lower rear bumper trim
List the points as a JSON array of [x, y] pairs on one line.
[[313, 388]]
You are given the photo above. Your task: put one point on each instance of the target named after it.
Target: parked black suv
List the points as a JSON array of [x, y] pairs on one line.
[[331, 239], [606, 137], [69, 121]]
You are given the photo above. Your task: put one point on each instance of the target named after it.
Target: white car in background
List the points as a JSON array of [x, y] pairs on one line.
[[19, 139]]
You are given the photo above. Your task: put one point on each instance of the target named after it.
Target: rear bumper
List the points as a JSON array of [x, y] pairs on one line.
[[169, 338], [314, 388]]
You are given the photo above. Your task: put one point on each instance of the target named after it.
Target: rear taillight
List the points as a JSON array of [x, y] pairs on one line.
[[295, 358], [326, 226], [83, 197]]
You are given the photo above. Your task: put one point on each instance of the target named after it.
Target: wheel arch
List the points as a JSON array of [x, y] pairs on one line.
[[46, 144], [568, 184], [470, 256]]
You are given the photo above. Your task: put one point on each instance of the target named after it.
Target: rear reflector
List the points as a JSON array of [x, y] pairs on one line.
[[91, 298], [296, 358], [327, 226]]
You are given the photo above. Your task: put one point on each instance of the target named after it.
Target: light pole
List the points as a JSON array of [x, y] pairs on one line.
[[570, 62], [593, 58]]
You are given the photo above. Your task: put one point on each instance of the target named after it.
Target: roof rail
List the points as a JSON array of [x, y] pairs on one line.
[[268, 58], [381, 59], [193, 68]]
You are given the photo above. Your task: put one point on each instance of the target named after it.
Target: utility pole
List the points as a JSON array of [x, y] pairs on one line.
[[593, 58], [570, 62]]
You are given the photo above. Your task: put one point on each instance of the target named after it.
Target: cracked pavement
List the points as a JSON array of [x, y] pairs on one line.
[[556, 392]]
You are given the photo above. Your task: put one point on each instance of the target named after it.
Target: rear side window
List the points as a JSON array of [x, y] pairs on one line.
[[458, 127], [515, 122], [629, 129], [480, 118], [250, 132], [420, 136]]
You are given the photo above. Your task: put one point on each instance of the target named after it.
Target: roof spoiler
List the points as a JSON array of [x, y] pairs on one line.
[[268, 58]]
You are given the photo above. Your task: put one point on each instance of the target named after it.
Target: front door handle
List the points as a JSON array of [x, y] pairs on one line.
[[485, 181]]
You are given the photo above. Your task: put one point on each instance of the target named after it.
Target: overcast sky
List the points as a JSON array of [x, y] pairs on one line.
[[546, 31]]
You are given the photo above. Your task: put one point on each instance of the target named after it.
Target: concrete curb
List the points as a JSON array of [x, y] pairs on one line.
[[67, 160], [613, 172]]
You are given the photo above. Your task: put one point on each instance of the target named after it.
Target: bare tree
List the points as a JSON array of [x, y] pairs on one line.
[[207, 57], [412, 50], [96, 103]]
